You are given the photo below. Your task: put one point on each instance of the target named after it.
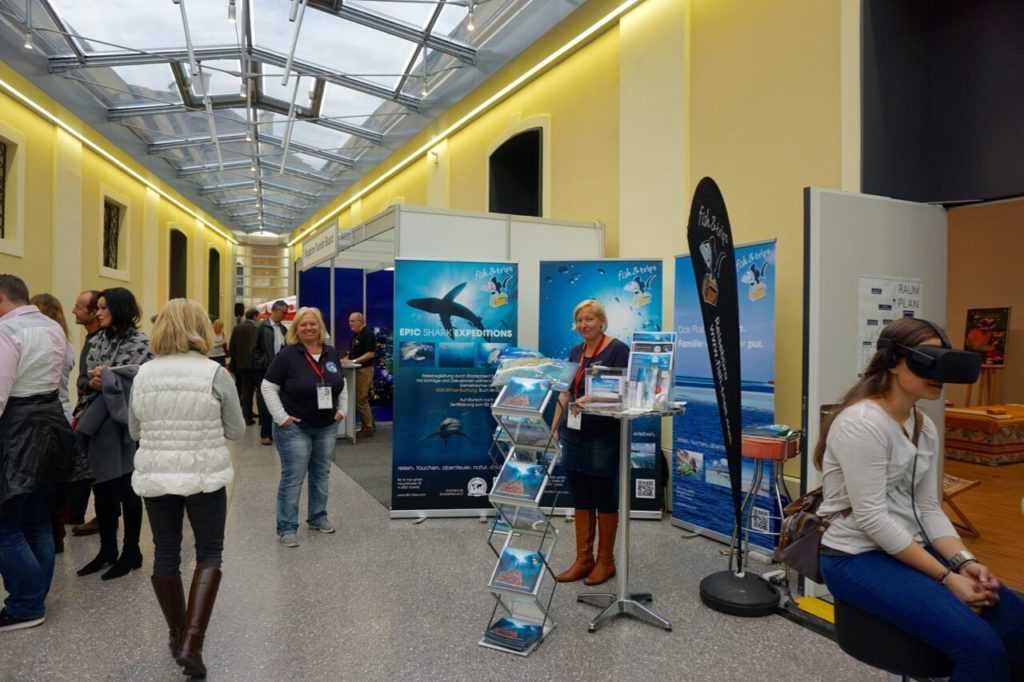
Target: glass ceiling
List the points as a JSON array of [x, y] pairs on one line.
[[196, 90]]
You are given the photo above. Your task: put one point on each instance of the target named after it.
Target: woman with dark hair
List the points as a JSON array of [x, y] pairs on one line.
[[590, 450], [890, 550], [102, 429]]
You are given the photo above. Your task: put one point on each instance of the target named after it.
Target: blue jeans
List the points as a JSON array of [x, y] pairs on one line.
[[303, 450], [26, 553], [983, 646]]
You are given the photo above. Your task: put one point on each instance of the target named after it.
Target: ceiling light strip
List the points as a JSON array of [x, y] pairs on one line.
[[593, 30], [31, 104]]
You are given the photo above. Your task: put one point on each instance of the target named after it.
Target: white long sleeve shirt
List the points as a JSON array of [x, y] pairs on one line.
[[868, 464], [33, 349]]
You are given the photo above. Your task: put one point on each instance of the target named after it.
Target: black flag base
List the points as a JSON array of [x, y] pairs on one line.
[[747, 595]]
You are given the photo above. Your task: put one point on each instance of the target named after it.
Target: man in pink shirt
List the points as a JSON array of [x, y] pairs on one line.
[[35, 443]]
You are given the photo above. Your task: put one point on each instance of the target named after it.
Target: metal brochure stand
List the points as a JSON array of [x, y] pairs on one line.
[[622, 601], [522, 536]]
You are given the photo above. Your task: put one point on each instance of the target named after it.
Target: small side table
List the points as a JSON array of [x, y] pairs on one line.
[[951, 487], [622, 602]]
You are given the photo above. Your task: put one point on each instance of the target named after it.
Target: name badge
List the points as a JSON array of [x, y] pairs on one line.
[[323, 398], [574, 418]]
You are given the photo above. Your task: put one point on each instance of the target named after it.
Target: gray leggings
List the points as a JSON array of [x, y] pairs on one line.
[[207, 513]]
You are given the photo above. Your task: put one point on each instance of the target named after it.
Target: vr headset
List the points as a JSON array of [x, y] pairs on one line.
[[942, 364]]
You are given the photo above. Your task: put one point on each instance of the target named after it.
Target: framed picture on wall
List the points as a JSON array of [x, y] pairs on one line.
[[986, 334]]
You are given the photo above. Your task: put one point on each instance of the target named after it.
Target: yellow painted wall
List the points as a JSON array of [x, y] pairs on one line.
[[759, 95], [48, 253], [765, 113]]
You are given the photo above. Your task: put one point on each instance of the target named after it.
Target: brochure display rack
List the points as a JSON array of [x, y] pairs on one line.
[[521, 536], [622, 601]]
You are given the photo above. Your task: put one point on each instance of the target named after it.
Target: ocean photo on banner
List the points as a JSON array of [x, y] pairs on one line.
[[701, 496]]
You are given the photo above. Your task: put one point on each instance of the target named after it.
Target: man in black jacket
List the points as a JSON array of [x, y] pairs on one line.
[[267, 343], [240, 353]]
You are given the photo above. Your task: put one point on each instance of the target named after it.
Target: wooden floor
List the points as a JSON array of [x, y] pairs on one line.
[[995, 509]]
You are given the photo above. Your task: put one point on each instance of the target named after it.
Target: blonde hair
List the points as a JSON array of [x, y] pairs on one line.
[[292, 337], [49, 305], [182, 325], [594, 305], [216, 322]]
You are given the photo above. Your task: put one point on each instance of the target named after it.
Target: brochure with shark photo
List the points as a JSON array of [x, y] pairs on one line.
[[520, 481], [524, 395], [527, 432], [518, 570]]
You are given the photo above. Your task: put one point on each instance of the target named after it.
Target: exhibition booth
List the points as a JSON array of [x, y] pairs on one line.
[[450, 295]]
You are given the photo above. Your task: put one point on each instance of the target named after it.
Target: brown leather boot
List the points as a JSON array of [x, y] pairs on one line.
[[171, 597], [604, 568], [586, 525], [202, 595]]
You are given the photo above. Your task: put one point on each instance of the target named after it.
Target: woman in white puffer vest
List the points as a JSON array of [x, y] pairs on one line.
[[183, 407]]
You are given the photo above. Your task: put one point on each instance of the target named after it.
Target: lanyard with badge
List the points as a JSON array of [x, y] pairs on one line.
[[323, 390], [574, 418]]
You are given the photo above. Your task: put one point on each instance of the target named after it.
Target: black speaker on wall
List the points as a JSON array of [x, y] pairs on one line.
[[239, 310]]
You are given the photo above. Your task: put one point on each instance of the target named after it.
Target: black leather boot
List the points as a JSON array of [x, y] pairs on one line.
[[201, 597]]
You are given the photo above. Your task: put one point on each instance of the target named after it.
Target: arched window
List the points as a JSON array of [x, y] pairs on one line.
[[515, 175], [178, 265], [213, 302]]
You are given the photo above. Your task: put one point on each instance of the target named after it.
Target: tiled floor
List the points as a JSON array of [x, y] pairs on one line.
[[390, 600]]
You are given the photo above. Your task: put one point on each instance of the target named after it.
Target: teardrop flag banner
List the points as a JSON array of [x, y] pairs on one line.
[[709, 236]]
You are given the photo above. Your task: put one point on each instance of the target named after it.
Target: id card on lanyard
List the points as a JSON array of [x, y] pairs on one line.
[[323, 391], [574, 418]]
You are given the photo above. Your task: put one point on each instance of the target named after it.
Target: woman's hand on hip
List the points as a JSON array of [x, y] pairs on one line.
[[290, 420]]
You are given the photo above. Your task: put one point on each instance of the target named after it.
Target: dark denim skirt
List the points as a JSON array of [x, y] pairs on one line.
[[594, 454]]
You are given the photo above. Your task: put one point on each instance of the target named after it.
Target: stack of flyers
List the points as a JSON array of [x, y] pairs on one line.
[[514, 634]]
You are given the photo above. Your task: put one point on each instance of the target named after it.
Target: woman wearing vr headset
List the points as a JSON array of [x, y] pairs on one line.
[[890, 550]]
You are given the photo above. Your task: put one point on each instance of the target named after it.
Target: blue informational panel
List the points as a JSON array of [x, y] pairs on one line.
[[315, 291], [452, 319], [380, 317], [631, 293], [348, 298], [701, 492]]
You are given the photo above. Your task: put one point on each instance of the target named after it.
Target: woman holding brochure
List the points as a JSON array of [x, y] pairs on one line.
[[590, 450]]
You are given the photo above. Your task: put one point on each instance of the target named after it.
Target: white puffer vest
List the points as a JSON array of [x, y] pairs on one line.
[[182, 450]]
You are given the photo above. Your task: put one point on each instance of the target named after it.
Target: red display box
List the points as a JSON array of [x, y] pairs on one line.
[[775, 449]]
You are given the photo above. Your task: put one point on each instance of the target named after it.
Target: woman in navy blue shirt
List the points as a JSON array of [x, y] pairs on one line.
[[590, 450], [305, 393]]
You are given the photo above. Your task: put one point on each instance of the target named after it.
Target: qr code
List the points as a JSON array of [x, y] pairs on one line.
[[645, 488], [759, 519]]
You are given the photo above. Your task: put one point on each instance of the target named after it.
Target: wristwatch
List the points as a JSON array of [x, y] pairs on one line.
[[958, 560]]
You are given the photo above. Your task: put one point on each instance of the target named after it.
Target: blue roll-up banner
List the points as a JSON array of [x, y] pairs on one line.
[[630, 291], [452, 319], [701, 492]]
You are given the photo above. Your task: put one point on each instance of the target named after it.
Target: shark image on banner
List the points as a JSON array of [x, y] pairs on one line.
[[446, 308]]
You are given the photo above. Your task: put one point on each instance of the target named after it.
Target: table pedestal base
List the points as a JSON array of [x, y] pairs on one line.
[[613, 607]]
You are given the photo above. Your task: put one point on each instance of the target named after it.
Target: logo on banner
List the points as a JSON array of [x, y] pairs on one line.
[[640, 284], [755, 278], [496, 288], [477, 487], [712, 266]]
